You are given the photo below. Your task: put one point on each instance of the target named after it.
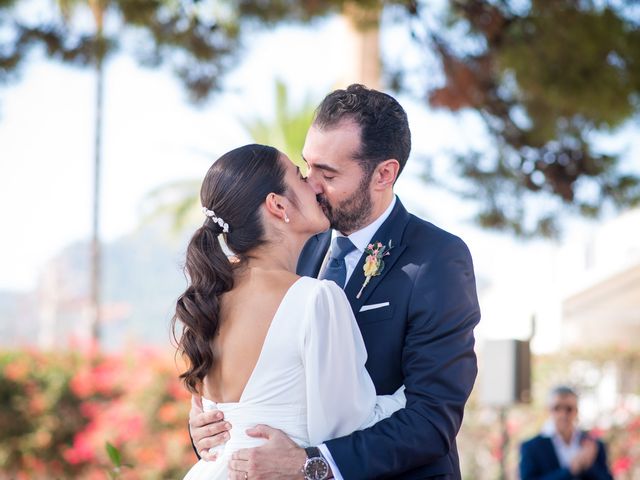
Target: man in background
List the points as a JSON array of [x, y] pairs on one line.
[[562, 451]]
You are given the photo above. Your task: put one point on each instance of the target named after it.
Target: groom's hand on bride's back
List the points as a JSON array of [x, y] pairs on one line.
[[208, 429], [279, 458]]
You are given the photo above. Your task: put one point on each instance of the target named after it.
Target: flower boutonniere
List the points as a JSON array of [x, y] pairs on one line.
[[374, 263]]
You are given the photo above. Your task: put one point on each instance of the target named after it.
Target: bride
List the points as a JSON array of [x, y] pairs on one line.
[[263, 345]]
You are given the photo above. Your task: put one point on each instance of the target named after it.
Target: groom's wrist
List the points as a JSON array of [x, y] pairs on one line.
[[316, 466]]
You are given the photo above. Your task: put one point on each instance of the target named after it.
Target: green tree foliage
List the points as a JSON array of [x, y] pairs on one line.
[[197, 42], [546, 78]]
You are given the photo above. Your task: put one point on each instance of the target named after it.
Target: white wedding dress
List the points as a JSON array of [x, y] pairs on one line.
[[309, 380]]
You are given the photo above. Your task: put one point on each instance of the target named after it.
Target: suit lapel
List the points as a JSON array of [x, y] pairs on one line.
[[551, 452], [313, 254], [391, 230]]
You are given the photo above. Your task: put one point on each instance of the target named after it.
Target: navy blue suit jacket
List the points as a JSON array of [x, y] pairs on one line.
[[538, 461], [422, 339]]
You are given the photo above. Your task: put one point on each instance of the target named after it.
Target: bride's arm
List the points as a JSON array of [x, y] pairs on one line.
[[341, 397]]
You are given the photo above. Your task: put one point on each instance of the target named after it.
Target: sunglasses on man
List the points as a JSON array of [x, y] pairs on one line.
[[563, 408]]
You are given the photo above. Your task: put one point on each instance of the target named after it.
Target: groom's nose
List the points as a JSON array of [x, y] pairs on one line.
[[312, 180]]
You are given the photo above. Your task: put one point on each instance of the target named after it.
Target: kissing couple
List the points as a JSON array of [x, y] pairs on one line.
[[337, 339]]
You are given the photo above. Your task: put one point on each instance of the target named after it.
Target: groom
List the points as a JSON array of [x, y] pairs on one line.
[[416, 315]]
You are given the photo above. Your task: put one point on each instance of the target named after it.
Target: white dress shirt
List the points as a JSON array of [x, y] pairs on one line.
[[564, 451], [360, 240]]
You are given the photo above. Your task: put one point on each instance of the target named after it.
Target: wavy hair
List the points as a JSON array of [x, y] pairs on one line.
[[235, 187]]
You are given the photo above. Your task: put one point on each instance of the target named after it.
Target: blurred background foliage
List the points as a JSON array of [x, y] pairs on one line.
[[59, 409], [545, 77]]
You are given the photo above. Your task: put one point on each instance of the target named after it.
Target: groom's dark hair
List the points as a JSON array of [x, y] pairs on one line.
[[384, 128]]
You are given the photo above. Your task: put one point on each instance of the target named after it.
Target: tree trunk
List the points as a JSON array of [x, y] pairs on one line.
[[98, 10], [96, 257], [363, 27]]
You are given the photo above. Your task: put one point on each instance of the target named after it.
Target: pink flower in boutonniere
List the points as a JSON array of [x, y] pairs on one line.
[[373, 263]]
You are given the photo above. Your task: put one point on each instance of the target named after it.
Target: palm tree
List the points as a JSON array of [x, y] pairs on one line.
[[286, 131]]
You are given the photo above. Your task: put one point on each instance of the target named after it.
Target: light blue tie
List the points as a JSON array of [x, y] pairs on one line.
[[336, 269]]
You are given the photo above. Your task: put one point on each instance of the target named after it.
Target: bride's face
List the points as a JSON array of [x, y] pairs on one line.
[[306, 215]]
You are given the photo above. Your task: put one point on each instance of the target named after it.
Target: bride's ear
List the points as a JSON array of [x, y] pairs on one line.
[[275, 205]]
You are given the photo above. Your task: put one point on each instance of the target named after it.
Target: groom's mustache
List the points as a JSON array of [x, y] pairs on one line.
[[324, 204]]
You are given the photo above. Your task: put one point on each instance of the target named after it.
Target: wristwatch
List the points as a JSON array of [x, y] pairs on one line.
[[316, 467]]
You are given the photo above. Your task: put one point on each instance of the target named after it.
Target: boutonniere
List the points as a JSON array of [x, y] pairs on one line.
[[374, 263]]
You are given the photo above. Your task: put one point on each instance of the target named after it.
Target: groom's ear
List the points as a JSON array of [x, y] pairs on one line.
[[385, 174], [274, 204]]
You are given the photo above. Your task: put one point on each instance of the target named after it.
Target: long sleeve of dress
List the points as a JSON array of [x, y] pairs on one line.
[[341, 397]]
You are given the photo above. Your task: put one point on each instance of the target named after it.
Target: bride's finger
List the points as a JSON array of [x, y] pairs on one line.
[[203, 418], [209, 457], [219, 430], [210, 441]]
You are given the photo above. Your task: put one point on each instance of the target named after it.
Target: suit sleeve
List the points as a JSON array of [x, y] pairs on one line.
[[439, 368], [599, 470]]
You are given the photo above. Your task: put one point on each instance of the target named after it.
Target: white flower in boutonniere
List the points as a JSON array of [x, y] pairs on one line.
[[373, 264]]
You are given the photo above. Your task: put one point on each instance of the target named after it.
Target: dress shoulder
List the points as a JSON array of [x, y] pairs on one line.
[[324, 294]]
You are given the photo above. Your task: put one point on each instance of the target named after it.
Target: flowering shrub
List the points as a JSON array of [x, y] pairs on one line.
[[59, 410]]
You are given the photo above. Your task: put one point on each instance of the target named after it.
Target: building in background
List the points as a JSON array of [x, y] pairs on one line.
[[602, 307]]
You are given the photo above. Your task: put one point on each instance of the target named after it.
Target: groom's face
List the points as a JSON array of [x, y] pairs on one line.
[[339, 181]]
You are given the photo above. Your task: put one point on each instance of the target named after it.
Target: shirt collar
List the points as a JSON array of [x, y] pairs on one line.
[[549, 430], [363, 237]]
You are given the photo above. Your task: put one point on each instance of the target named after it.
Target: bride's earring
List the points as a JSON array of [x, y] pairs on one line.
[[286, 219]]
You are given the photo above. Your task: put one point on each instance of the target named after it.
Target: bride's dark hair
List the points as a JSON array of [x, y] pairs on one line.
[[235, 187]]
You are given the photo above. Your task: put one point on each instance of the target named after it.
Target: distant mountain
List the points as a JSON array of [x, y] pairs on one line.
[[142, 278], [18, 318]]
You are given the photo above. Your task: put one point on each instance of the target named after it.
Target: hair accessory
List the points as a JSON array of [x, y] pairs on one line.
[[212, 215]]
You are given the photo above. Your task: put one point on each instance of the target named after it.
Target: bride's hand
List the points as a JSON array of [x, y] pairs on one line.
[[208, 429]]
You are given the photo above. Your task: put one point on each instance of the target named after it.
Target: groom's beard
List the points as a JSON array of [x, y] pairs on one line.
[[352, 213]]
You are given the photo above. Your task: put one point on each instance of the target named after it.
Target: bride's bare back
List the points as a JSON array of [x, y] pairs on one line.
[[246, 313]]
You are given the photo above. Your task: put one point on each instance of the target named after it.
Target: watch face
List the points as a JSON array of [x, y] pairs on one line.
[[316, 469]]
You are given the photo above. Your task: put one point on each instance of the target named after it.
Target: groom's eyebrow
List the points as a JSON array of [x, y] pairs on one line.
[[322, 166]]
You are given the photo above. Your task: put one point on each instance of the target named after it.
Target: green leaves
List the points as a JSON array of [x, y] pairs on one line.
[[198, 47], [114, 455], [546, 80], [116, 460], [288, 130]]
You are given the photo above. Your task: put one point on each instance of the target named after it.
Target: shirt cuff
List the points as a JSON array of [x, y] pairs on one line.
[[327, 455]]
